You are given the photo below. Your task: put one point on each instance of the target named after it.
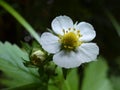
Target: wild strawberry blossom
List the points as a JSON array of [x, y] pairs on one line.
[[70, 43]]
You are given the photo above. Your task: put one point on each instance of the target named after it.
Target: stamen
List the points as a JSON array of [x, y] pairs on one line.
[[78, 31], [74, 29], [70, 40], [79, 35], [69, 29], [64, 31], [69, 47]]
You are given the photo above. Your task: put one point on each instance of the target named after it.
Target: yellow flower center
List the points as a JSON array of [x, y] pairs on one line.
[[70, 39]]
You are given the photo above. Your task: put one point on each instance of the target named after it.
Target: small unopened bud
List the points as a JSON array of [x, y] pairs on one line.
[[37, 57]]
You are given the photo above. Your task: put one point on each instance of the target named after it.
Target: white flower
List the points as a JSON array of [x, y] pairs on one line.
[[70, 44]]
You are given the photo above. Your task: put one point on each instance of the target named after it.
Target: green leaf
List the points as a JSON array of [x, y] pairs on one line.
[[33, 86], [56, 82], [60, 83], [95, 76], [73, 79], [11, 63], [115, 78], [116, 82]]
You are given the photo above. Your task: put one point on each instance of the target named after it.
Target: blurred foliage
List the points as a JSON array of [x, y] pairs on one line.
[[114, 22], [95, 77], [66, 84]]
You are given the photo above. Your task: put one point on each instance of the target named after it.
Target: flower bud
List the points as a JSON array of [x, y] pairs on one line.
[[37, 57]]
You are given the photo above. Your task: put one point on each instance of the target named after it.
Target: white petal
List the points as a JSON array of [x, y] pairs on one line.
[[87, 31], [60, 23], [66, 59], [50, 42], [88, 52]]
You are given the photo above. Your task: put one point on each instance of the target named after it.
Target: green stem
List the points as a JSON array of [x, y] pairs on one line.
[[67, 85], [20, 19]]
